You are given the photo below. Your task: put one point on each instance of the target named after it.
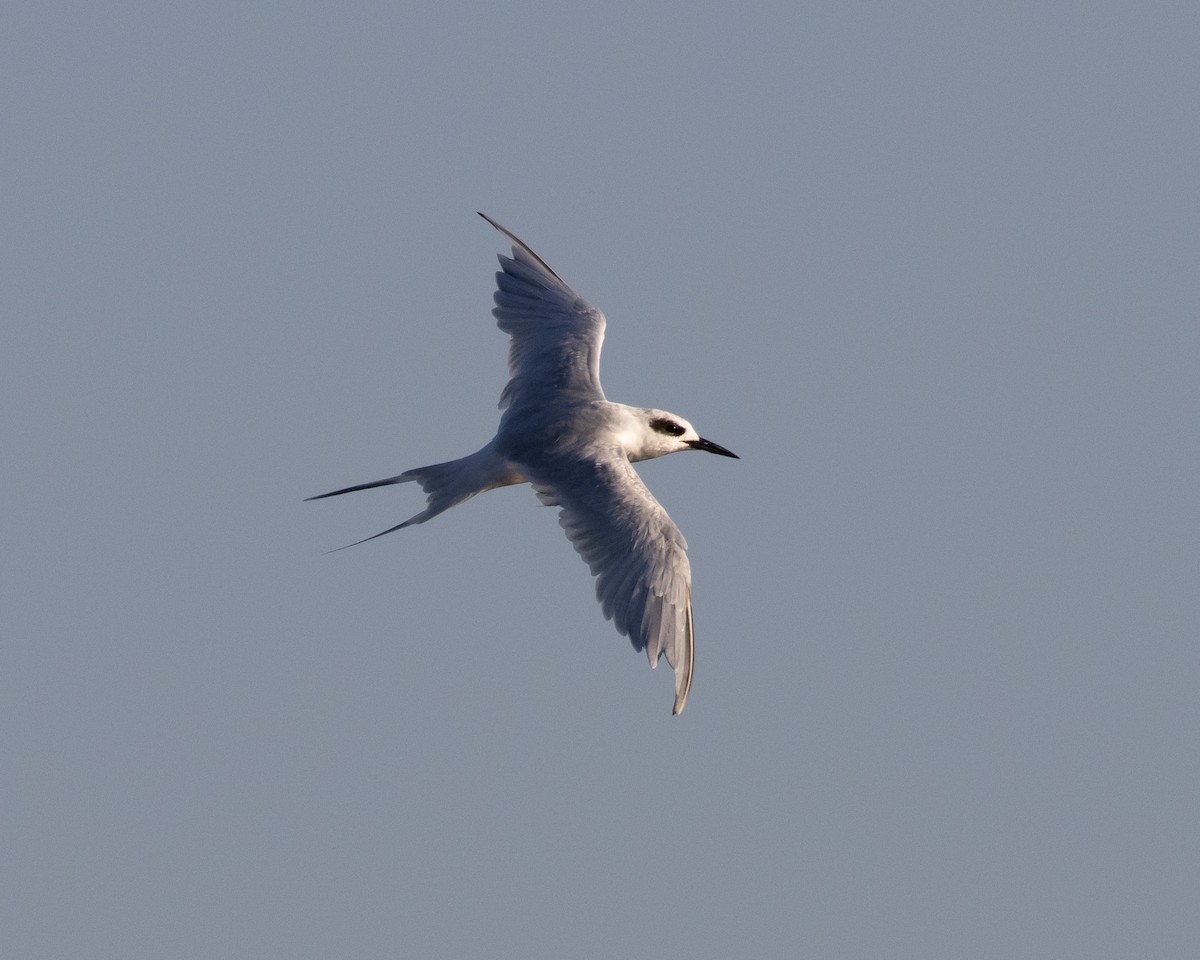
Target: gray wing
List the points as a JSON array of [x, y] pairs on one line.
[[554, 355], [636, 553]]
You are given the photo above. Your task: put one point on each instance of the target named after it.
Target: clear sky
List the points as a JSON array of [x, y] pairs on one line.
[[931, 269]]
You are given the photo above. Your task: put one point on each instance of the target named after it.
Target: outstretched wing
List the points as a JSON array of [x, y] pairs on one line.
[[554, 355], [636, 553]]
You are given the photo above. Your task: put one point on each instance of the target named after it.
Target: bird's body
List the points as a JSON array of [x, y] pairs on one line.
[[559, 433]]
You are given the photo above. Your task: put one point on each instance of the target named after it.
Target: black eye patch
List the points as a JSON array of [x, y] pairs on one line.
[[669, 427]]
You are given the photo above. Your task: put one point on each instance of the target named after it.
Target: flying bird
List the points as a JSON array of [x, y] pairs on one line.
[[576, 448]]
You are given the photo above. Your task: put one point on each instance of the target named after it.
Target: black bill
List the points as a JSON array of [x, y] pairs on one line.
[[709, 447]]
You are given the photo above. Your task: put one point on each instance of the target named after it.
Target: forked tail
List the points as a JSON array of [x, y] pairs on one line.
[[447, 485]]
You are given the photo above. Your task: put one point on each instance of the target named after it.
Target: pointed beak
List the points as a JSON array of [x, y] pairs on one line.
[[709, 447]]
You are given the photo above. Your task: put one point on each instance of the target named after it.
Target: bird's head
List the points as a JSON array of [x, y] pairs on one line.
[[658, 433]]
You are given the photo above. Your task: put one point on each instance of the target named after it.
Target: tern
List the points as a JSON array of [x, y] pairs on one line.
[[559, 433]]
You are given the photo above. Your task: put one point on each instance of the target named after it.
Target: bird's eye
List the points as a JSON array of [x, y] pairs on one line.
[[669, 427]]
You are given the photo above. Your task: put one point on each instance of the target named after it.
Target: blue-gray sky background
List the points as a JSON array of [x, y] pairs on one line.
[[933, 270]]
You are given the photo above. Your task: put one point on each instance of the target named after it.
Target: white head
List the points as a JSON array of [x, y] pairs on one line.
[[655, 433]]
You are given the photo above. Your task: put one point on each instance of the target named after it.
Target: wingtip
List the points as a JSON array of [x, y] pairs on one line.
[[518, 242], [684, 670], [495, 224], [681, 696]]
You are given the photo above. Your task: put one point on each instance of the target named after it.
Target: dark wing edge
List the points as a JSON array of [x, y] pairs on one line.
[[520, 246]]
